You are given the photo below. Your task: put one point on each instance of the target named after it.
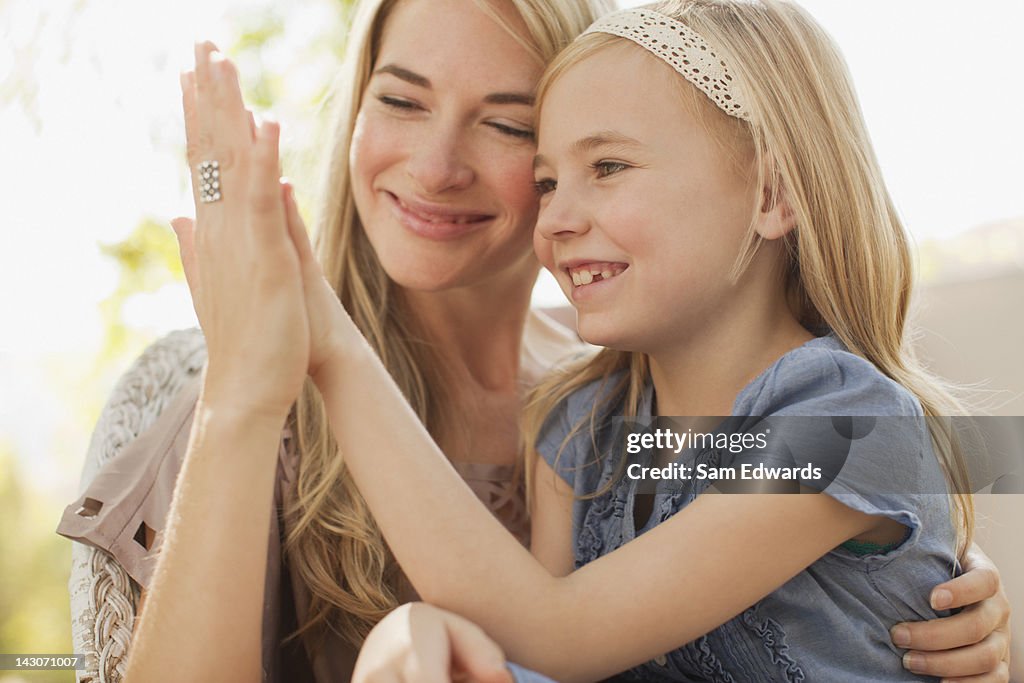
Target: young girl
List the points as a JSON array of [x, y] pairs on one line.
[[713, 209]]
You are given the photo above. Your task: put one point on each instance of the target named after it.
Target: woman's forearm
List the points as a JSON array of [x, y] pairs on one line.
[[203, 614]]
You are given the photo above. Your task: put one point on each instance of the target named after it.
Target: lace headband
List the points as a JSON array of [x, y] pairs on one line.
[[683, 49]]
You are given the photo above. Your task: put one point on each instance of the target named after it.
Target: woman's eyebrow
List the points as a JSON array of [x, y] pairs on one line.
[[509, 98], [424, 82], [404, 74]]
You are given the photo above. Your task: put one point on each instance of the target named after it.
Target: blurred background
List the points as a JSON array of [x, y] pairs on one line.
[[92, 149]]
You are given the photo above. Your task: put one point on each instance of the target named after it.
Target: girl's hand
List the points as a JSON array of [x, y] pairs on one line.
[[242, 268], [975, 642], [420, 643]]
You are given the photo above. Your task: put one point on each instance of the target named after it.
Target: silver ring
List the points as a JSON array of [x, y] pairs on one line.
[[209, 181]]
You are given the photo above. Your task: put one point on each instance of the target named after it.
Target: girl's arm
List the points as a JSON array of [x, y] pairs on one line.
[[543, 621]]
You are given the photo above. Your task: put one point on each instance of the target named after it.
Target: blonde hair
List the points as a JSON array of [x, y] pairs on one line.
[[333, 543], [849, 266]]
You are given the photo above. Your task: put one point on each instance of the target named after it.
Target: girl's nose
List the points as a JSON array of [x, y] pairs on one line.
[[562, 216], [438, 164]]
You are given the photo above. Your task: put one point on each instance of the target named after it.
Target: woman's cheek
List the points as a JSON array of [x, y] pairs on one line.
[[515, 185]]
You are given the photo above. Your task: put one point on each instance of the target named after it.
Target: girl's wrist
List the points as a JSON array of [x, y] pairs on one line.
[[354, 353]]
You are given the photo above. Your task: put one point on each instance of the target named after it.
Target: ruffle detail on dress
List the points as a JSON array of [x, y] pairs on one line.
[[774, 639]]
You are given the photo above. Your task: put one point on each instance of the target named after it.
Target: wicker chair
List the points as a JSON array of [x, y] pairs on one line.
[[103, 597]]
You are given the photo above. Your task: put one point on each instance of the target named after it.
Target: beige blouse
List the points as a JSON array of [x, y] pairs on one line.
[[133, 490]]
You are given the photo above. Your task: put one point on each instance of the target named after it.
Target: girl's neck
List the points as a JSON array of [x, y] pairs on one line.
[[478, 329], [703, 373]]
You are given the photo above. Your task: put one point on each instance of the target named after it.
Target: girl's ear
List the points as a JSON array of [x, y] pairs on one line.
[[776, 217]]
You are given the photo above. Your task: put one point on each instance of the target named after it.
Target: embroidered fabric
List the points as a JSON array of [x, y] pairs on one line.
[[683, 49]]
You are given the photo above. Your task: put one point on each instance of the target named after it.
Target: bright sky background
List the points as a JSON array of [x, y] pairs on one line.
[[940, 81]]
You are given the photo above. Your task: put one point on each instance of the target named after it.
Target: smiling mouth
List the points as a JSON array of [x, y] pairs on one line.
[[588, 273], [429, 215]]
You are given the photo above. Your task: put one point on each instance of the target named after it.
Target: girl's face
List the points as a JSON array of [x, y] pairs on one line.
[[442, 148], [643, 212]]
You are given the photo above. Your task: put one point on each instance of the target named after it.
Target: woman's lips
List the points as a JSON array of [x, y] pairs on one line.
[[435, 221]]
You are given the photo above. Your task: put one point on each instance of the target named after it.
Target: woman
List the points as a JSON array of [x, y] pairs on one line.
[[437, 128], [438, 141]]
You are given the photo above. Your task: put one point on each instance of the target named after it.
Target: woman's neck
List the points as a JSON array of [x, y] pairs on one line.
[[477, 330]]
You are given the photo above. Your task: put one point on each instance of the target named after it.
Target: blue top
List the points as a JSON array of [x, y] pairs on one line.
[[831, 622]]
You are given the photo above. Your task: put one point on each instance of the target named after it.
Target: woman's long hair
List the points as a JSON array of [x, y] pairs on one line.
[[333, 542], [849, 264]]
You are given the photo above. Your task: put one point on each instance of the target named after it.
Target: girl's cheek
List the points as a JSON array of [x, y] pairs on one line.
[[542, 248]]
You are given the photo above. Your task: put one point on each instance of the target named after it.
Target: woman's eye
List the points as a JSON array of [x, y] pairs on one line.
[[398, 103], [544, 186], [521, 133], [607, 168]]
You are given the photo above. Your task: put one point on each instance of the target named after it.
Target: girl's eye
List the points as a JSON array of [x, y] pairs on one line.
[[544, 186], [521, 133], [398, 103], [607, 168]]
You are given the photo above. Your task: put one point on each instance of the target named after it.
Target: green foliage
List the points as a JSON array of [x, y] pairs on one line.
[[34, 615], [147, 260], [34, 561]]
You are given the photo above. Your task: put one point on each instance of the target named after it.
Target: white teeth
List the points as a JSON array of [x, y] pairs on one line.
[[605, 274], [586, 277], [576, 279]]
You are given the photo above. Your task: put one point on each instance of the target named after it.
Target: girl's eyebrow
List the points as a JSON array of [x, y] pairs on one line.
[[423, 82], [604, 138]]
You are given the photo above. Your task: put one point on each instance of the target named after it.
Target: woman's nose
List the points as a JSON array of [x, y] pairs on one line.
[[562, 216], [439, 164]]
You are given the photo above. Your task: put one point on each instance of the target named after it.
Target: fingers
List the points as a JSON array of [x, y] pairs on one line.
[[966, 628], [267, 210], [979, 581], [474, 653], [188, 105], [1001, 674], [184, 230], [982, 659], [297, 229], [221, 127]]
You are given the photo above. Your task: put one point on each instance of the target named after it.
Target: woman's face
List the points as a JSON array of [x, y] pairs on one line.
[[644, 211], [441, 157]]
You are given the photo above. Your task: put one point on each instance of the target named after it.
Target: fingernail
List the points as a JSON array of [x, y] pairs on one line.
[[941, 598], [913, 662], [900, 636]]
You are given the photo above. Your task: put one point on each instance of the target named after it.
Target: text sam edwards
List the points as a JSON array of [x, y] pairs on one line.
[[703, 471]]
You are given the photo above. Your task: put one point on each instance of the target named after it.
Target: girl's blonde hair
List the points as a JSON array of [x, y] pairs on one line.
[[333, 543], [849, 266]]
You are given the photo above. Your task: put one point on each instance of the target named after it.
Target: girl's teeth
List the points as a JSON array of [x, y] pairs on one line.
[[576, 279], [586, 277], [605, 274]]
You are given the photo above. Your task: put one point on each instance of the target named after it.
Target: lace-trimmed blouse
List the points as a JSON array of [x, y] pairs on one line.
[[133, 490]]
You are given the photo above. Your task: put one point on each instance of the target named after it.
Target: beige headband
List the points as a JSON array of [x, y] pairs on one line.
[[683, 49]]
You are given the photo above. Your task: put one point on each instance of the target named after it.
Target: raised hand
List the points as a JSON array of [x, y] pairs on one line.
[[241, 264]]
